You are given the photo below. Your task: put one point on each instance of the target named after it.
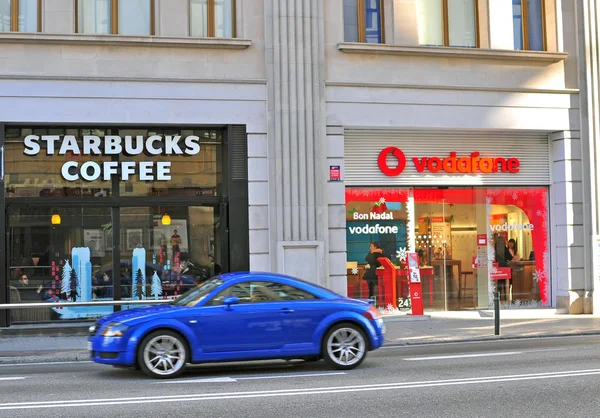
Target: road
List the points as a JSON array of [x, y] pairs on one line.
[[551, 377]]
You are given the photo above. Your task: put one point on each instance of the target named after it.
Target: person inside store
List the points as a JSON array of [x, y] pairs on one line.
[[375, 252], [502, 257], [513, 253]]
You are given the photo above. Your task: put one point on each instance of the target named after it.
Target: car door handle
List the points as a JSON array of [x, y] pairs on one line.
[[286, 310]]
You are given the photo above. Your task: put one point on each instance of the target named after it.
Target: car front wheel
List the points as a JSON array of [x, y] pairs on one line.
[[344, 346], [163, 354]]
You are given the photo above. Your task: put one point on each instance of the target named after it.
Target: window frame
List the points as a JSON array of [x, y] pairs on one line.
[[114, 17], [14, 16], [525, 25], [446, 24], [210, 11], [362, 24]]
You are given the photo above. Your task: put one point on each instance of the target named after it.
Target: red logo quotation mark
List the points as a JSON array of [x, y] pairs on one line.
[[382, 161]]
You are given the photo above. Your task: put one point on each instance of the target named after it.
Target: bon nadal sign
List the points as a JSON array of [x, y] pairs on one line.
[[153, 145], [472, 164]]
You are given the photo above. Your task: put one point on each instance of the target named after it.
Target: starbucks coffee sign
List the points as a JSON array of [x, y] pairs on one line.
[[92, 145]]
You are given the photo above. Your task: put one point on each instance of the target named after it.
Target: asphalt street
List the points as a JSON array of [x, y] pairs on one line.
[[550, 377]]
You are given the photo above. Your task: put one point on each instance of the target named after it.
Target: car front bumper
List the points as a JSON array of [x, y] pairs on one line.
[[110, 350]]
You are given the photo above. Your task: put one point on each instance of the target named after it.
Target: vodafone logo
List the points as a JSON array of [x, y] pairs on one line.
[[472, 164], [382, 161]]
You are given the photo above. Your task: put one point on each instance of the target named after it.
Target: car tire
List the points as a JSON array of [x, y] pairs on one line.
[[163, 354], [344, 346]]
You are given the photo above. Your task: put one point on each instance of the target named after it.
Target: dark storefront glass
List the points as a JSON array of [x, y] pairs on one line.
[[197, 175], [66, 238], [40, 175]]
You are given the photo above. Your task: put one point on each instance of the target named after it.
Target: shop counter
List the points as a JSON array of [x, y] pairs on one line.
[[523, 285]]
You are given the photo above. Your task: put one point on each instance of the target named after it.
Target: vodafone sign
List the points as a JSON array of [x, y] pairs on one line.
[[472, 164]]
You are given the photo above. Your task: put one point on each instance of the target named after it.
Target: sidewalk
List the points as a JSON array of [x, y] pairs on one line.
[[27, 344]]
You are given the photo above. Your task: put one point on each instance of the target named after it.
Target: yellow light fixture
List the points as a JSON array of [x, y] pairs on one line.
[[166, 219], [56, 219]]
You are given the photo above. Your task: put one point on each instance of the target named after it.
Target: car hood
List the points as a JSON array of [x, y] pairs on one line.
[[137, 315]]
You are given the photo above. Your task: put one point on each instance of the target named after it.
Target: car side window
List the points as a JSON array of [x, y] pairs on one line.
[[260, 292], [290, 292]]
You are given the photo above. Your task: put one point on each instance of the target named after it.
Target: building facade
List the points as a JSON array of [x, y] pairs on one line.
[[289, 135]]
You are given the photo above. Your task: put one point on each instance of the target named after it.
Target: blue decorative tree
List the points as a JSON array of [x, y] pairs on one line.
[[156, 290]]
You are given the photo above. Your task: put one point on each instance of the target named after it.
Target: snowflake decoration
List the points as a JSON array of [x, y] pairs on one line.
[[355, 271], [401, 254], [538, 276], [515, 196], [539, 212], [382, 200], [390, 309]]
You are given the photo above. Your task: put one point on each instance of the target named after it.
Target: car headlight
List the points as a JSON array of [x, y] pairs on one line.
[[114, 329]]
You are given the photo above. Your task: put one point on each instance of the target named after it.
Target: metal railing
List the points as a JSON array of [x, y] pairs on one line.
[[97, 303]]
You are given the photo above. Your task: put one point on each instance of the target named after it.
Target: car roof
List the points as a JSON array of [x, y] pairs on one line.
[[258, 275]]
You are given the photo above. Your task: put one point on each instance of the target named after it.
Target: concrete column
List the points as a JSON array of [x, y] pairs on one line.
[[567, 229], [172, 18], [587, 14], [336, 211], [58, 16], [294, 33]]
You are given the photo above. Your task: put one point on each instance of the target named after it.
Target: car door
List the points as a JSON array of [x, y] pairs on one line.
[[255, 323], [306, 313]]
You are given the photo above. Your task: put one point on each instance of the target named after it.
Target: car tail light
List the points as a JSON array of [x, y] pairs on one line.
[[372, 314]]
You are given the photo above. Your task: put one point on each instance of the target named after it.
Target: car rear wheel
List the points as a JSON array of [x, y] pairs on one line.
[[163, 354], [344, 346]]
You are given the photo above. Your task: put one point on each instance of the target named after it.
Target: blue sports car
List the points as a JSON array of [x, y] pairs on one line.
[[238, 317]]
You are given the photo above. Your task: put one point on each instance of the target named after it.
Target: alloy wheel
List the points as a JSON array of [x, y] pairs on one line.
[[164, 355], [346, 346]]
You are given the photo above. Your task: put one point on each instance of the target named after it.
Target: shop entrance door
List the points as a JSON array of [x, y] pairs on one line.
[[447, 224]]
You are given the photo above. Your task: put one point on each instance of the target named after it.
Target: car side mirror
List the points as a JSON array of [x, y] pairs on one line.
[[230, 300]]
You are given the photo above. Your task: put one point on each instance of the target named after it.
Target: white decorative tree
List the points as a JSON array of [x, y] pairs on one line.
[[66, 279], [156, 286]]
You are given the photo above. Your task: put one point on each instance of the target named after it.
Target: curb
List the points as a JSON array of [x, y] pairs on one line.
[[57, 331], [38, 357], [492, 338], [78, 355]]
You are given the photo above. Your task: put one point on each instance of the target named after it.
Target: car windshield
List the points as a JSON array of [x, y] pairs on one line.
[[195, 295]]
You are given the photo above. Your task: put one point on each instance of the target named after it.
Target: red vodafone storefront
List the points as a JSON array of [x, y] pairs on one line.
[[473, 207]]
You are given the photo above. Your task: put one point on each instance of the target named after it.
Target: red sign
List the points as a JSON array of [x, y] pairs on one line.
[[452, 164], [481, 240], [334, 173], [501, 273]]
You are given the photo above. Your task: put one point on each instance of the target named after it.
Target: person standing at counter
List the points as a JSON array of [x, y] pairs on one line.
[[513, 253], [375, 252]]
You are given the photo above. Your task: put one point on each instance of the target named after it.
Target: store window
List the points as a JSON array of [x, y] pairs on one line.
[[70, 258], [447, 23], [99, 214], [39, 173], [125, 17], [363, 21], [470, 242], [20, 16], [212, 18]]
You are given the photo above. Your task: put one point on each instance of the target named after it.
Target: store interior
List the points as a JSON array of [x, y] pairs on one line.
[[458, 271]]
